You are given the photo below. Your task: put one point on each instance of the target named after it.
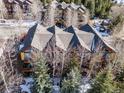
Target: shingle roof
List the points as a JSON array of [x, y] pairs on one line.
[[62, 38], [89, 28], [41, 38], [80, 38]]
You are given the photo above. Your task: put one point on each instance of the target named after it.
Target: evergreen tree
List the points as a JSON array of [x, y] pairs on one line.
[[72, 82], [103, 83], [49, 1], [44, 1], [120, 76], [85, 2], [120, 81], [78, 2], [99, 8], [70, 65], [91, 7], [117, 22], [102, 7], [42, 78], [67, 1]]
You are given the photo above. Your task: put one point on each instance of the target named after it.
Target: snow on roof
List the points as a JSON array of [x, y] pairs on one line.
[[81, 10], [22, 0], [28, 1], [74, 6], [16, 1], [83, 7]]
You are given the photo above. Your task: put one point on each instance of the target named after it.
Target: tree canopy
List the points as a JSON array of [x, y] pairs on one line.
[[98, 8]]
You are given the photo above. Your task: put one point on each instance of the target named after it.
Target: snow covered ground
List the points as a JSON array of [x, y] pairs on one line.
[[120, 1], [101, 29], [85, 85], [56, 87], [15, 23], [28, 83]]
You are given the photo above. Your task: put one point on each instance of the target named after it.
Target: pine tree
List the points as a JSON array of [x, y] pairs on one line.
[[98, 8], [78, 2], [67, 1], [91, 6], [42, 83], [102, 8], [120, 81], [44, 1], [103, 83], [72, 82], [49, 1], [85, 2], [70, 65]]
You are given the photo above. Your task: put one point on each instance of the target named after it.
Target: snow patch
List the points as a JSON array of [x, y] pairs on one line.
[[85, 85], [26, 87]]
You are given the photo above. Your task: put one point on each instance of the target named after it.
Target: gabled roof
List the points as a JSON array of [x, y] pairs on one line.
[[80, 38], [20, 2], [64, 5], [89, 28], [83, 7], [81, 10], [41, 38], [86, 37], [14, 1], [28, 1], [62, 38], [17, 1], [74, 6], [29, 37]]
